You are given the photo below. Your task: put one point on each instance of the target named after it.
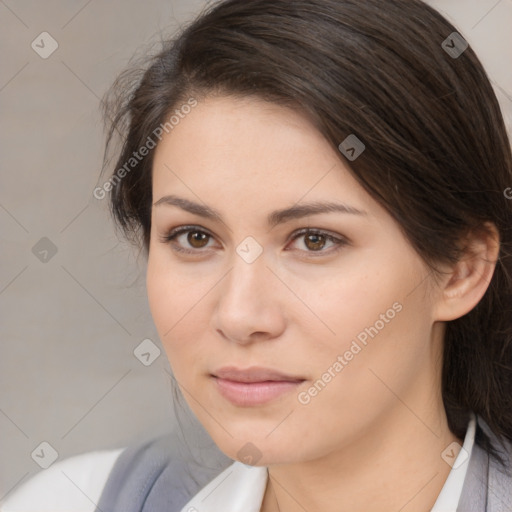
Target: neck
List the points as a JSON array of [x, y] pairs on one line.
[[394, 465]]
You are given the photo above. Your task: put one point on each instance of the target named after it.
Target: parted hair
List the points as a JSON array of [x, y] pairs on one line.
[[437, 155]]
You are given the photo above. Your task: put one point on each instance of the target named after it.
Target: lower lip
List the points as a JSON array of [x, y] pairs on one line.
[[246, 394]]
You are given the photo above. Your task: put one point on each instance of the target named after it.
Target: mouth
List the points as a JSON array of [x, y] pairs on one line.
[[253, 386]]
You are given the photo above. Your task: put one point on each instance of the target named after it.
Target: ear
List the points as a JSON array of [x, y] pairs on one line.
[[466, 282]]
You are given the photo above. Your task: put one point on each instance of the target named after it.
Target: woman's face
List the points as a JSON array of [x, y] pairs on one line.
[[336, 305]]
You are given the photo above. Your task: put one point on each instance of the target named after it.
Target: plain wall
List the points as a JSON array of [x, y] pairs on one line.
[[72, 320]]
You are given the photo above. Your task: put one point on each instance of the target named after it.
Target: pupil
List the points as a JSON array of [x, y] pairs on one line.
[[317, 240], [196, 238]]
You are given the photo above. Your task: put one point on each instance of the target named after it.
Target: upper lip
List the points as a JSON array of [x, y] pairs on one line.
[[253, 374]]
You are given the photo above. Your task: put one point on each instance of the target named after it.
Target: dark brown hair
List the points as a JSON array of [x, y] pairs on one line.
[[437, 154]]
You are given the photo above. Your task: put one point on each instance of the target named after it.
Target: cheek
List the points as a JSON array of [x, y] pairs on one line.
[[354, 371], [176, 305], [342, 303], [370, 318]]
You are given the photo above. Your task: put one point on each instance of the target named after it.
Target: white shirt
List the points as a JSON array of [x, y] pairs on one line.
[[73, 484], [76, 483]]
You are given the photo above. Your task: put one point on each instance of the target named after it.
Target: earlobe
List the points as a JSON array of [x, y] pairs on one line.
[[468, 280]]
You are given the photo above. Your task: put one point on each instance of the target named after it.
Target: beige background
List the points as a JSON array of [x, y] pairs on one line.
[[70, 324]]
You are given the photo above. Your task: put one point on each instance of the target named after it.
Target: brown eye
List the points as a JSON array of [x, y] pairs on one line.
[[197, 239], [314, 241], [317, 243], [188, 239]]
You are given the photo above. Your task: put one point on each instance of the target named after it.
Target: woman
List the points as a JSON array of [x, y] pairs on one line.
[[319, 187]]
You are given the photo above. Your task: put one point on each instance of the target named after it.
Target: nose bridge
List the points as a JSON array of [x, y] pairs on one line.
[[246, 299], [248, 274]]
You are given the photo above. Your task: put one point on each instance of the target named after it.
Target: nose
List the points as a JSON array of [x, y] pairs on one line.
[[249, 303]]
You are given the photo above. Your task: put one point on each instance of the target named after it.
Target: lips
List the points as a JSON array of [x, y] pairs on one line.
[[253, 386], [254, 374]]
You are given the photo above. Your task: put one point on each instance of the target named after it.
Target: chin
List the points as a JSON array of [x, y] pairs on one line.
[[257, 450]]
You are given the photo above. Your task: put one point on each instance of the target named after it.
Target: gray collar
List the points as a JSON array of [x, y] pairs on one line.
[[487, 486]]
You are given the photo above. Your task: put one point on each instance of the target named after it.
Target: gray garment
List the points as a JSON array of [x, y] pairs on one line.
[[157, 477], [488, 486]]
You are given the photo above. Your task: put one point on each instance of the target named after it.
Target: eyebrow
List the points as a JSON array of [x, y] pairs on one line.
[[274, 218]]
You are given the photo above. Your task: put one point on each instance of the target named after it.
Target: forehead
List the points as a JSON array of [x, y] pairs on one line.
[[242, 129], [256, 151]]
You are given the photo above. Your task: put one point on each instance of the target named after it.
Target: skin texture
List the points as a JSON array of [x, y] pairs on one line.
[[372, 438]]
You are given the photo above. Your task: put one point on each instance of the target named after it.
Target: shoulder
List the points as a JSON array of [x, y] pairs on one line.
[[75, 483], [160, 474], [498, 473], [488, 441]]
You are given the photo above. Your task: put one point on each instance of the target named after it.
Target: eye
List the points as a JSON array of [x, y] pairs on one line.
[[315, 240], [196, 239]]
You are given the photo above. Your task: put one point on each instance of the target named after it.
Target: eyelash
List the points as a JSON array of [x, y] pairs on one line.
[[340, 242]]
